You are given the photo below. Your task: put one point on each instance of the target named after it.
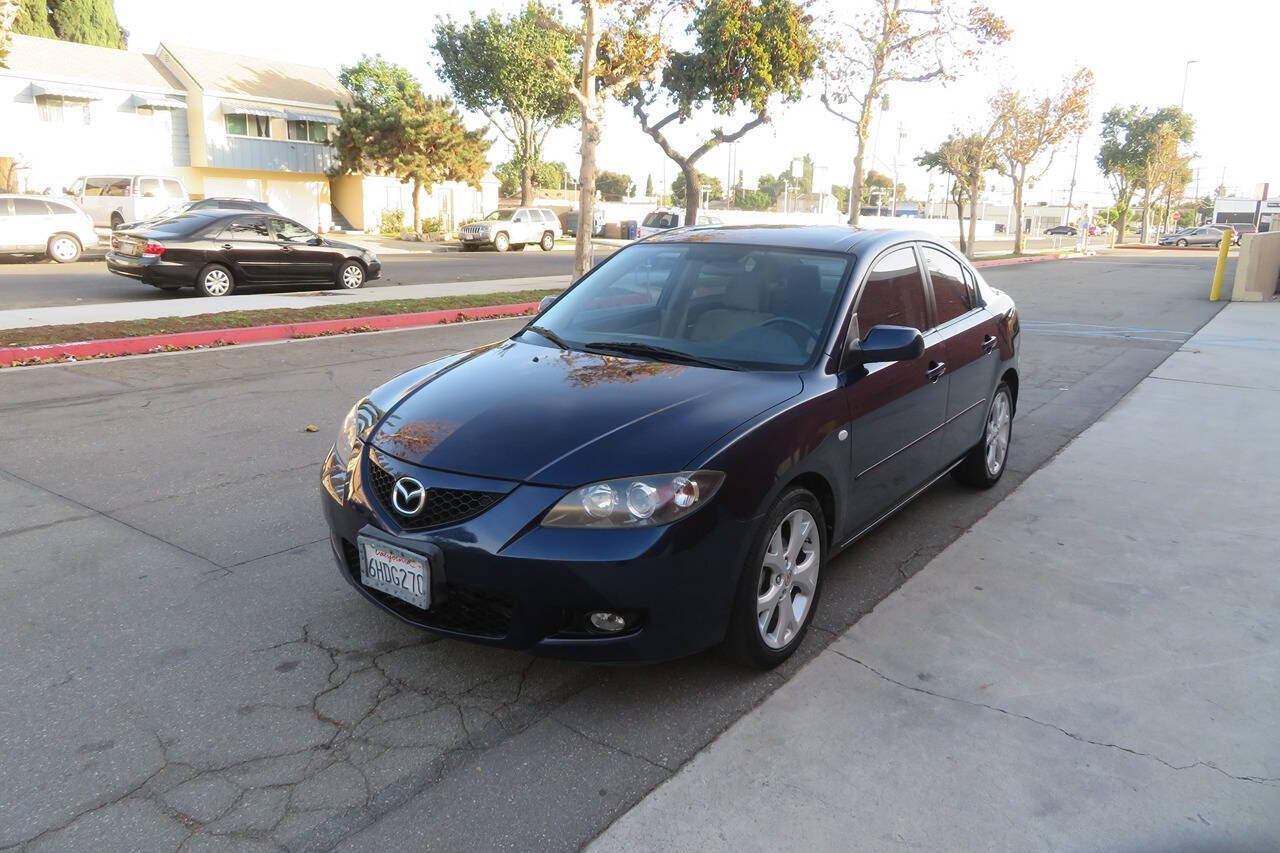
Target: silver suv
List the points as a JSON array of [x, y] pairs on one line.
[[512, 228]]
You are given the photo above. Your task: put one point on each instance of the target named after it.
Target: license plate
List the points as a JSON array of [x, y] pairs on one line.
[[395, 571], [128, 249]]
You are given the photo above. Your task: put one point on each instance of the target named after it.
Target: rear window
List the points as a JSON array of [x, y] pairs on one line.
[[59, 208], [30, 207], [181, 225], [658, 219]]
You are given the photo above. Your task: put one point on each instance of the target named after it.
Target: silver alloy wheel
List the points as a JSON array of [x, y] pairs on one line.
[[788, 578], [217, 282], [352, 276], [501, 242], [999, 427], [63, 249], [548, 242]]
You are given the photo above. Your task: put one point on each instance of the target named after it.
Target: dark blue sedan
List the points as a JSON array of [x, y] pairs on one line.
[[667, 456]]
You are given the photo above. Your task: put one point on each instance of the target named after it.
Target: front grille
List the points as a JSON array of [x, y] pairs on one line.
[[442, 506], [463, 609]]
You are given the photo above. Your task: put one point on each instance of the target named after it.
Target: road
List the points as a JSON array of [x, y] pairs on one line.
[[34, 283], [182, 661]]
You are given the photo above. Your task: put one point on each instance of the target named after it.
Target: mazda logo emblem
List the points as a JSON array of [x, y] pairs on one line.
[[408, 496]]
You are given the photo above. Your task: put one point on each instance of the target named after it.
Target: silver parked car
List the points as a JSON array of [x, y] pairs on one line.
[[44, 225], [1202, 236], [512, 228]]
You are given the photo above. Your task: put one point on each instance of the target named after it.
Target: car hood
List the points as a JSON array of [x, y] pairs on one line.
[[518, 411], [338, 244]]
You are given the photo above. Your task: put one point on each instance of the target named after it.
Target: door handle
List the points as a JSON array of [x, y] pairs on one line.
[[226, 245], [988, 344], [935, 371], [286, 248]]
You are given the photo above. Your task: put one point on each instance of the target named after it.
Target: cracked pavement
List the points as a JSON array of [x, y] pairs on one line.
[[184, 668]]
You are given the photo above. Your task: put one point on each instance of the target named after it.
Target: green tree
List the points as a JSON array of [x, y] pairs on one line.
[[755, 200], [391, 128], [648, 186], [613, 186], [1141, 151], [496, 67], [744, 54], [85, 21], [9, 10], [715, 192], [966, 158], [33, 19], [546, 175], [896, 42]]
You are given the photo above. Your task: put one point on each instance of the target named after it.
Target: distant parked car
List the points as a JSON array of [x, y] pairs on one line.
[[664, 220], [113, 200], [512, 228], [215, 203], [1202, 236], [1239, 228], [1062, 231], [44, 225], [217, 251], [597, 222]]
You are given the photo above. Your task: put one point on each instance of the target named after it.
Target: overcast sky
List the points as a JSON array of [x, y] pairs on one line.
[[1137, 49]]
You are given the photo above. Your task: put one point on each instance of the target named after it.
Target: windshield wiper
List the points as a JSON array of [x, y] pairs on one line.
[[657, 352], [548, 334]]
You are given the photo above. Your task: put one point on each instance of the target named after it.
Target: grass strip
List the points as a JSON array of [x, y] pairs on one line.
[[72, 332]]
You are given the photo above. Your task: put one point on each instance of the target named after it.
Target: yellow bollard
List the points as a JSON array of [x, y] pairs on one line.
[[1220, 270], [1112, 234]]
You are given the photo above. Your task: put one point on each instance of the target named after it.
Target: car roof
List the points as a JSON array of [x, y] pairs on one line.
[[830, 238]]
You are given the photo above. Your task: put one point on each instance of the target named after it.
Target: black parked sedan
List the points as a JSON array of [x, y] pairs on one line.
[[217, 251], [668, 454]]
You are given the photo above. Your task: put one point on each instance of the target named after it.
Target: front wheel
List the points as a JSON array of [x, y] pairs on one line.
[[1182, 244], [548, 242], [215, 280], [985, 463], [501, 242], [64, 248], [351, 275], [780, 583]]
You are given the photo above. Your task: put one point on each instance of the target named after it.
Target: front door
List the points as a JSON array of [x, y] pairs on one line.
[[896, 409], [969, 333], [33, 226], [247, 246], [301, 258]]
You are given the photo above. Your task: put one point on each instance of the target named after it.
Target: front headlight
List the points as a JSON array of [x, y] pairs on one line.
[[635, 501], [348, 436]]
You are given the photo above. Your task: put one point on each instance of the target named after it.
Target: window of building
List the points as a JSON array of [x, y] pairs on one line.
[[308, 131], [950, 293], [56, 108], [893, 294], [241, 124]]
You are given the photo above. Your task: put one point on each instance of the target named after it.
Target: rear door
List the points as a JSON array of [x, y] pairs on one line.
[[33, 224], [897, 409], [521, 228], [301, 261], [968, 332], [246, 244], [8, 227]]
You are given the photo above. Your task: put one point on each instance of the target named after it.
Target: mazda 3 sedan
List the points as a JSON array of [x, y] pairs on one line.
[[218, 251], [668, 455]]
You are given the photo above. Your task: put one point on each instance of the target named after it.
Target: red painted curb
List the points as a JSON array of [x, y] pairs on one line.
[[254, 334], [1165, 248]]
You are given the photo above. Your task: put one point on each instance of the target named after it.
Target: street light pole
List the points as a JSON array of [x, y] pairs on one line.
[[1186, 71]]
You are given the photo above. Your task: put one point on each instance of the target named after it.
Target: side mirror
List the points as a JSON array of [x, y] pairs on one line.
[[544, 303], [885, 343], [316, 241]]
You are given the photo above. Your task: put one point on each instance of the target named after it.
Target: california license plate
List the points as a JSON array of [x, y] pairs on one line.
[[395, 571]]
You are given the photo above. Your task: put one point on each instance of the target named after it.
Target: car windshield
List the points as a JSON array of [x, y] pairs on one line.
[[500, 215], [744, 307]]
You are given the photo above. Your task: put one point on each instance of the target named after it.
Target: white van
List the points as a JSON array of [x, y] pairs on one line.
[[44, 225], [663, 220], [113, 200]]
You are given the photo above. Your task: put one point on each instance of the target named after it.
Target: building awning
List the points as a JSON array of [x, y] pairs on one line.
[[251, 109], [323, 118], [60, 90], [166, 102]]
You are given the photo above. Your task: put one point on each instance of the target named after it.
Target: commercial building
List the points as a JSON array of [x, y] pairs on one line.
[[1261, 212]]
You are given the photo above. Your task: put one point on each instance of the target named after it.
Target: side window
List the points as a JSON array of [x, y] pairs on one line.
[[149, 188], [521, 216], [289, 231], [950, 293], [95, 186], [58, 208], [247, 228], [893, 294], [4, 207], [172, 188], [117, 187], [30, 207]]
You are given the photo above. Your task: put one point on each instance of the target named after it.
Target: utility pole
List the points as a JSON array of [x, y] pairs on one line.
[[902, 134], [1074, 166]]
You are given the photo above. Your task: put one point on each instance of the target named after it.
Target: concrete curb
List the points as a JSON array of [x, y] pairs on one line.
[[16, 356], [1027, 259]]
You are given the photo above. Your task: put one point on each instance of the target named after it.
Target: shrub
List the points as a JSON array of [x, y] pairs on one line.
[[392, 222], [431, 225]]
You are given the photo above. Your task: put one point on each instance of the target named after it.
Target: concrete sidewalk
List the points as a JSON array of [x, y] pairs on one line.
[[1094, 665], [19, 318]]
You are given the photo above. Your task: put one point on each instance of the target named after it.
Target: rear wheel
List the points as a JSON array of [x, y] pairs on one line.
[[548, 242], [501, 242], [64, 248], [350, 275], [116, 220], [780, 583], [985, 463], [215, 280], [1182, 244]]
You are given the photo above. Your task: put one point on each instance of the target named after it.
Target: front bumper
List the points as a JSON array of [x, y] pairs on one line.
[[475, 239], [504, 580]]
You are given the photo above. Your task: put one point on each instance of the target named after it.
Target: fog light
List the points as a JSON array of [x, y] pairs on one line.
[[609, 622]]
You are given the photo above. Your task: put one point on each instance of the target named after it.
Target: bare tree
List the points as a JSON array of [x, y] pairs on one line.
[[619, 45], [896, 42], [966, 158], [1030, 129]]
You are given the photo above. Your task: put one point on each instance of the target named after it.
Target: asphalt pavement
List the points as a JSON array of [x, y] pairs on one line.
[[182, 661]]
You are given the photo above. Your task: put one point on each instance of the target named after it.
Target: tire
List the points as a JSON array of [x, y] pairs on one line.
[[501, 242], [983, 469], [1217, 245], [215, 280], [350, 275], [1182, 244], [116, 220], [548, 242], [764, 629], [64, 248]]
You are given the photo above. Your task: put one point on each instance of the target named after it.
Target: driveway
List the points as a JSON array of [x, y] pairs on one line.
[[182, 660]]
